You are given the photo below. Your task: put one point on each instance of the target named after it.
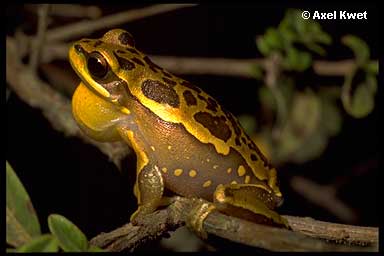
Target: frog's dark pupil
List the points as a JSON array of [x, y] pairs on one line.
[[97, 65]]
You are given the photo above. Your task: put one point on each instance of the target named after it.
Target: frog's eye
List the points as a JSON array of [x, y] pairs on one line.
[[97, 65]]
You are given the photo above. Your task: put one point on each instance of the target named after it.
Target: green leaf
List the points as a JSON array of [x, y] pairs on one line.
[[371, 82], [21, 218], [358, 46], [372, 67], [297, 60], [310, 149], [287, 34], [70, 237], [273, 39], [362, 102], [44, 243], [319, 35], [305, 113], [263, 46], [95, 249], [330, 117], [316, 48]]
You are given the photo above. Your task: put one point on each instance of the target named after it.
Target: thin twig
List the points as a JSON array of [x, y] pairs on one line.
[[159, 223], [88, 26], [40, 37], [324, 196], [339, 233], [214, 66], [75, 11]]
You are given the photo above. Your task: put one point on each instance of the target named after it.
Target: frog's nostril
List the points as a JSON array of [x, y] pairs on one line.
[[79, 49]]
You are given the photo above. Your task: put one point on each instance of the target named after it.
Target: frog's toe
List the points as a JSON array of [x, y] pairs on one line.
[[198, 214]]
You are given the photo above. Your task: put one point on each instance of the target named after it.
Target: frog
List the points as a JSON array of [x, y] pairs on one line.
[[185, 141]]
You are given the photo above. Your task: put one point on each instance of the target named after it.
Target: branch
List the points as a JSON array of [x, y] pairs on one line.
[[88, 26], [159, 223], [324, 196], [215, 66]]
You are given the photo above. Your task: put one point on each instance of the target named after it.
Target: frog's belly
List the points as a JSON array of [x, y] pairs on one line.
[[199, 175]]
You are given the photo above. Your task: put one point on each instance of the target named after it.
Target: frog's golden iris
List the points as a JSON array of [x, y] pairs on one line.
[[184, 140]]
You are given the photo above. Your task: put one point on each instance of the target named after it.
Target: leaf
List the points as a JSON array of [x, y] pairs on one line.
[[311, 148], [358, 46], [44, 243], [273, 39], [362, 102], [297, 60], [305, 113], [371, 83], [70, 237], [263, 46], [21, 219], [330, 117], [316, 48], [95, 249], [372, 67]]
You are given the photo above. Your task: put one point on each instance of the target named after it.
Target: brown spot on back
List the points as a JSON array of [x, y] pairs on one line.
[[124, 63], [121, 51], [216, 126], [189, 98], [132, 50], [233, 122], [126, 38], [160, 93], [253, 157], [97, 43], [237, 141], [138, 61], [169, 81], [152, 65], [191, 86], [212, 104], [166, 74]]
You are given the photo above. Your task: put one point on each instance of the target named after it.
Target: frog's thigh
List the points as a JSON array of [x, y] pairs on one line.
[[247, 201], [149, 190]]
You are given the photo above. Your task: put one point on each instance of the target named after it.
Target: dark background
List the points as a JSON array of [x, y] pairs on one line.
[[64, 175]]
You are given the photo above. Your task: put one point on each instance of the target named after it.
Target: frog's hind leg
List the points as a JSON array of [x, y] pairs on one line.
[[149, 190], [248, 201]]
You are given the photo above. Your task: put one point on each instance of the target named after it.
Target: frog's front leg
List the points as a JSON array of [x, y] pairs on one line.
[[149, 191]]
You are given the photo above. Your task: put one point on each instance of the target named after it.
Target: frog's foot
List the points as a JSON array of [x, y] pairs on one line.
[[248, 201], [198, 214], [145, 209]]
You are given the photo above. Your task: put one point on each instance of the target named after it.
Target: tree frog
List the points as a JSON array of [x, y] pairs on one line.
[[184, 140]]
